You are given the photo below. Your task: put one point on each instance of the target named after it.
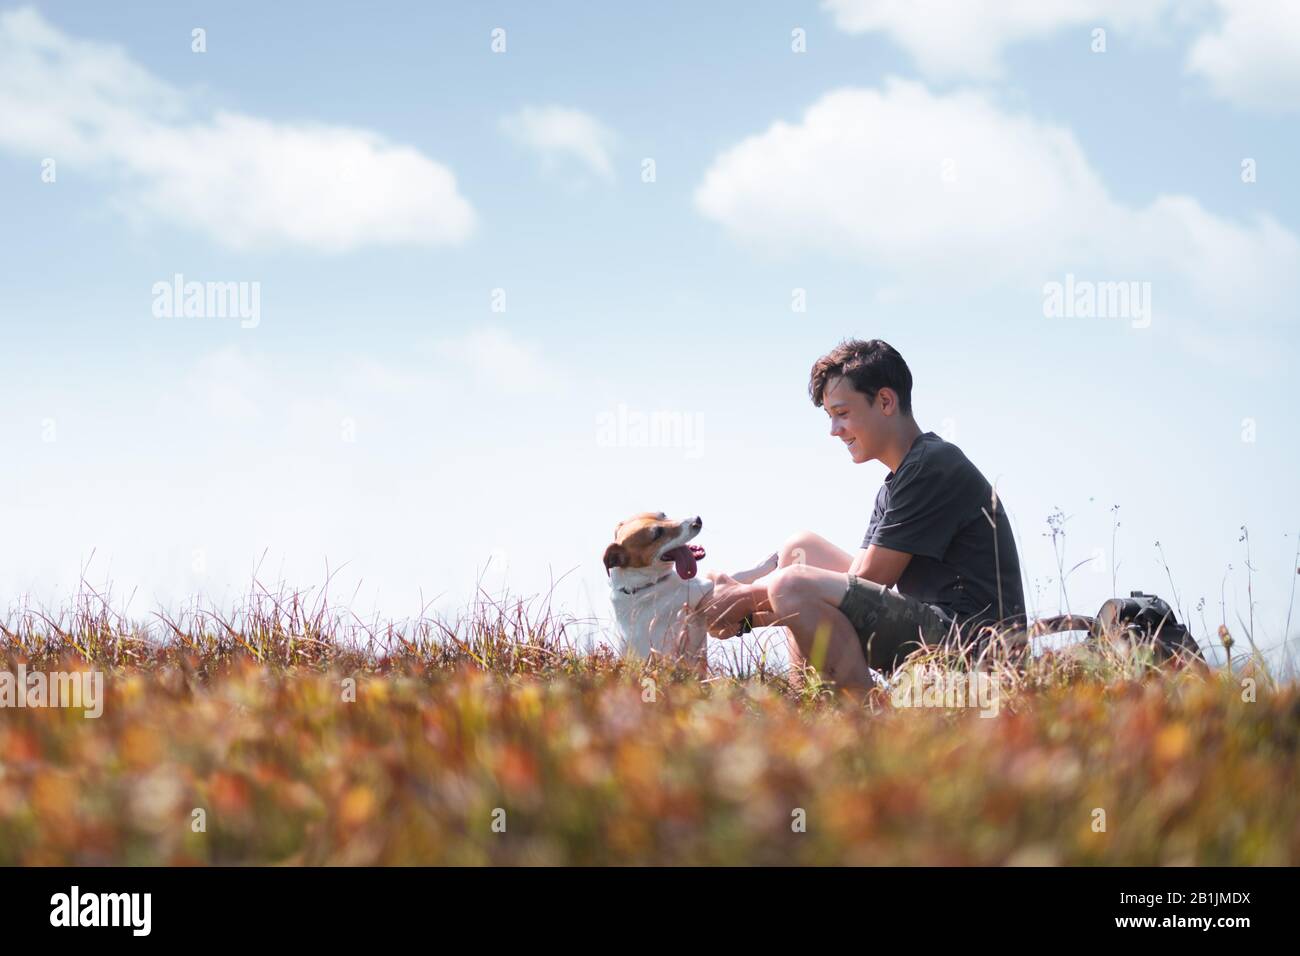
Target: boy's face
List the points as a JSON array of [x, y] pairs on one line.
[[860, 424]]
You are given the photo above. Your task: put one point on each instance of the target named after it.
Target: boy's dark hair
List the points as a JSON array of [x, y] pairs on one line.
[[869, 366]]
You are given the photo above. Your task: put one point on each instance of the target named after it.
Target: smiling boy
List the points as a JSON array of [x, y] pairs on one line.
[[937, 533]]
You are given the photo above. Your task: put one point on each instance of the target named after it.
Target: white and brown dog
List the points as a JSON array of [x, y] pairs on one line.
[[658, 599]]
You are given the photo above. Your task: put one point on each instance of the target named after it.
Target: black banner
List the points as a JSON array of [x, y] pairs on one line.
[[332, 906]]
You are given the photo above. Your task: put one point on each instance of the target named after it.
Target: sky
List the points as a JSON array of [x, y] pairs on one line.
[[504, 274]]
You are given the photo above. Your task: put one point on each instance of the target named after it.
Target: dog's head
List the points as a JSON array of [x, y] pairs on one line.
[[650, 539]]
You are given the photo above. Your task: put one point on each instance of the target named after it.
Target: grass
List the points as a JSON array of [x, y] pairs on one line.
[[289, 732]]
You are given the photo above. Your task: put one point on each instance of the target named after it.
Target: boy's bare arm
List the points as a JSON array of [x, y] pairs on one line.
[[881, 565]]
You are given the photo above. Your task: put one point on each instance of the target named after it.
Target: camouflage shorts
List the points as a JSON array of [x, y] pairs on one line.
[[891, 625]]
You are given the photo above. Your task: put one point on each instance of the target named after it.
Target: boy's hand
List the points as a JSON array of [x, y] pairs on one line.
[[730, 604]]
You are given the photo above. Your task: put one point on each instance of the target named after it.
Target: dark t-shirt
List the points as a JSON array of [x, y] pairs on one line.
[[933, 507]]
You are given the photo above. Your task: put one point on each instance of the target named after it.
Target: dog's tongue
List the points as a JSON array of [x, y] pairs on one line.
[[684, 559]]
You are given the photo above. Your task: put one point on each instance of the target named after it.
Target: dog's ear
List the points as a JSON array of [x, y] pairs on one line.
[[616, 556]]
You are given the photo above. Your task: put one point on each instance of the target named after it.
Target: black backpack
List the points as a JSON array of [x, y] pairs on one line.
[[1138, 617], [1147, 618]]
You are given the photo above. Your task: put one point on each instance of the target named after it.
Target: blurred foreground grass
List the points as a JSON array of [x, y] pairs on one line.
[[494, 741]]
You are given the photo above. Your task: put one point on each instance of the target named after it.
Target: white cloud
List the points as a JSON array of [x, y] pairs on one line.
[[241, 387], [1253, 60], [966, 37], [496, 358], [921, 186], [1251, 57], [370, 375], [557, 131], [863, 174], [246, 181]]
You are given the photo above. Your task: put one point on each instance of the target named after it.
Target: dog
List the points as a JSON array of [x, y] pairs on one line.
[[657, 595]]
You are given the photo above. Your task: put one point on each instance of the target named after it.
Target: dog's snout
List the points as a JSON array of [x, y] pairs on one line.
[[697, 523]]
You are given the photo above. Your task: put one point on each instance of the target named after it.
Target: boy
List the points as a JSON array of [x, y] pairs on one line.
[[936, 532]]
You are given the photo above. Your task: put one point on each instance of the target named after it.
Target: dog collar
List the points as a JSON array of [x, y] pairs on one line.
[[651, 584]]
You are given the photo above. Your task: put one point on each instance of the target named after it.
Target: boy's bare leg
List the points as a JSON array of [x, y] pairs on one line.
[[805, 600], [802, 548]]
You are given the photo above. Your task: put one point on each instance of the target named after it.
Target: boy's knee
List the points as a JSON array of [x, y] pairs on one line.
[[788, 584], [794, 551]]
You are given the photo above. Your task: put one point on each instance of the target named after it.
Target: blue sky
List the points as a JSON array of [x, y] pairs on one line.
[[378, 172]]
